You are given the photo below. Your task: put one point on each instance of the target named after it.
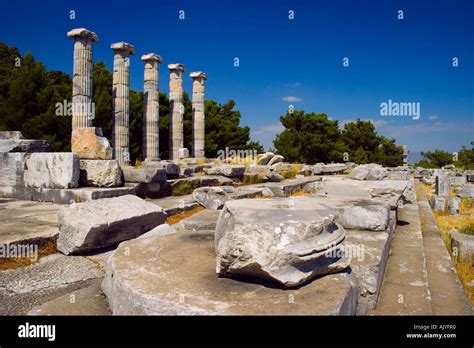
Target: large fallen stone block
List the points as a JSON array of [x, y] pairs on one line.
[[462, 246], [442, 185], [457, 180], [466, 191], [174, 274], [89, 143], [287, 241], [100, 173], [213, 197], [25, 145], [364, 215], [66, 196], [12, 167], [287, 187], [275, 159], [428, 180], [229, 170], [205, 220], [104, 222], [52, 170], [171, 168], [453, 205], [144, 175], [11, 135], [264, 158], [438, 203], [370, 171], [332, 168]]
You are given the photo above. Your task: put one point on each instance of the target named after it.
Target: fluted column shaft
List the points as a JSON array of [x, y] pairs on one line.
[[121, 101], [176, 139], [198, 114], [151, 107], [82, 110]]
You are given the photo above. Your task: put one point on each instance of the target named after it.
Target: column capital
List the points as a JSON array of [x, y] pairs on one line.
[[152, 57], [82, 32], [176, 66], [123, 46], [198, 75]]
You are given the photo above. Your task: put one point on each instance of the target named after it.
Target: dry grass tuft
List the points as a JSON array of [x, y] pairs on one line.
[[261, 196], [301, 193], [47, 248], [174, 219], [291, 172]]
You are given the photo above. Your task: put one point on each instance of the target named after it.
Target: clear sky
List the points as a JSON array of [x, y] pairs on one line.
[[284, 61]]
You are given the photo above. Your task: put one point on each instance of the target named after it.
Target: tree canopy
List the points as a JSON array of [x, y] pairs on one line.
[[312, 138], [464, 158]]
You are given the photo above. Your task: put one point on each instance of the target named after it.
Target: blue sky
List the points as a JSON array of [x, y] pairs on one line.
[[283, 61]]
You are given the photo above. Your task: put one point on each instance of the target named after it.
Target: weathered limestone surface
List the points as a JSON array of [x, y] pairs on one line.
[[466, 191], [89, 300], [53, 276], [171, 168], [82, 114], [287, 187], [144, 175], [121, 102], [183, 153], [229, 170], [264, 158], [89, 143], [213, 197], [11, 135], [457, 180], [97, 224], [331, 168], [438, 203], [175, 205], [389, 191], [453, 205], [18, 217], [287, 242], [52, 170], [462, 246], [65, 196], [205, 220], [370, 253], [370, 171], [12, 167], [176, 110], [25, 145], [364, 215], [100, 173], [275, 159], [442, 186], [198, 113], [188, 285], [151, 108]]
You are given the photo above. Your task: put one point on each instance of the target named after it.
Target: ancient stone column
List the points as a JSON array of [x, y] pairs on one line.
[[176, 110], [82, 110], [198, 113], [151, 107], [405, 155], [121, 100]]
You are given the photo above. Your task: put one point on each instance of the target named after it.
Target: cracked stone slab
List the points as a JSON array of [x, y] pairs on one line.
[[52, 276], [154, 278]]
